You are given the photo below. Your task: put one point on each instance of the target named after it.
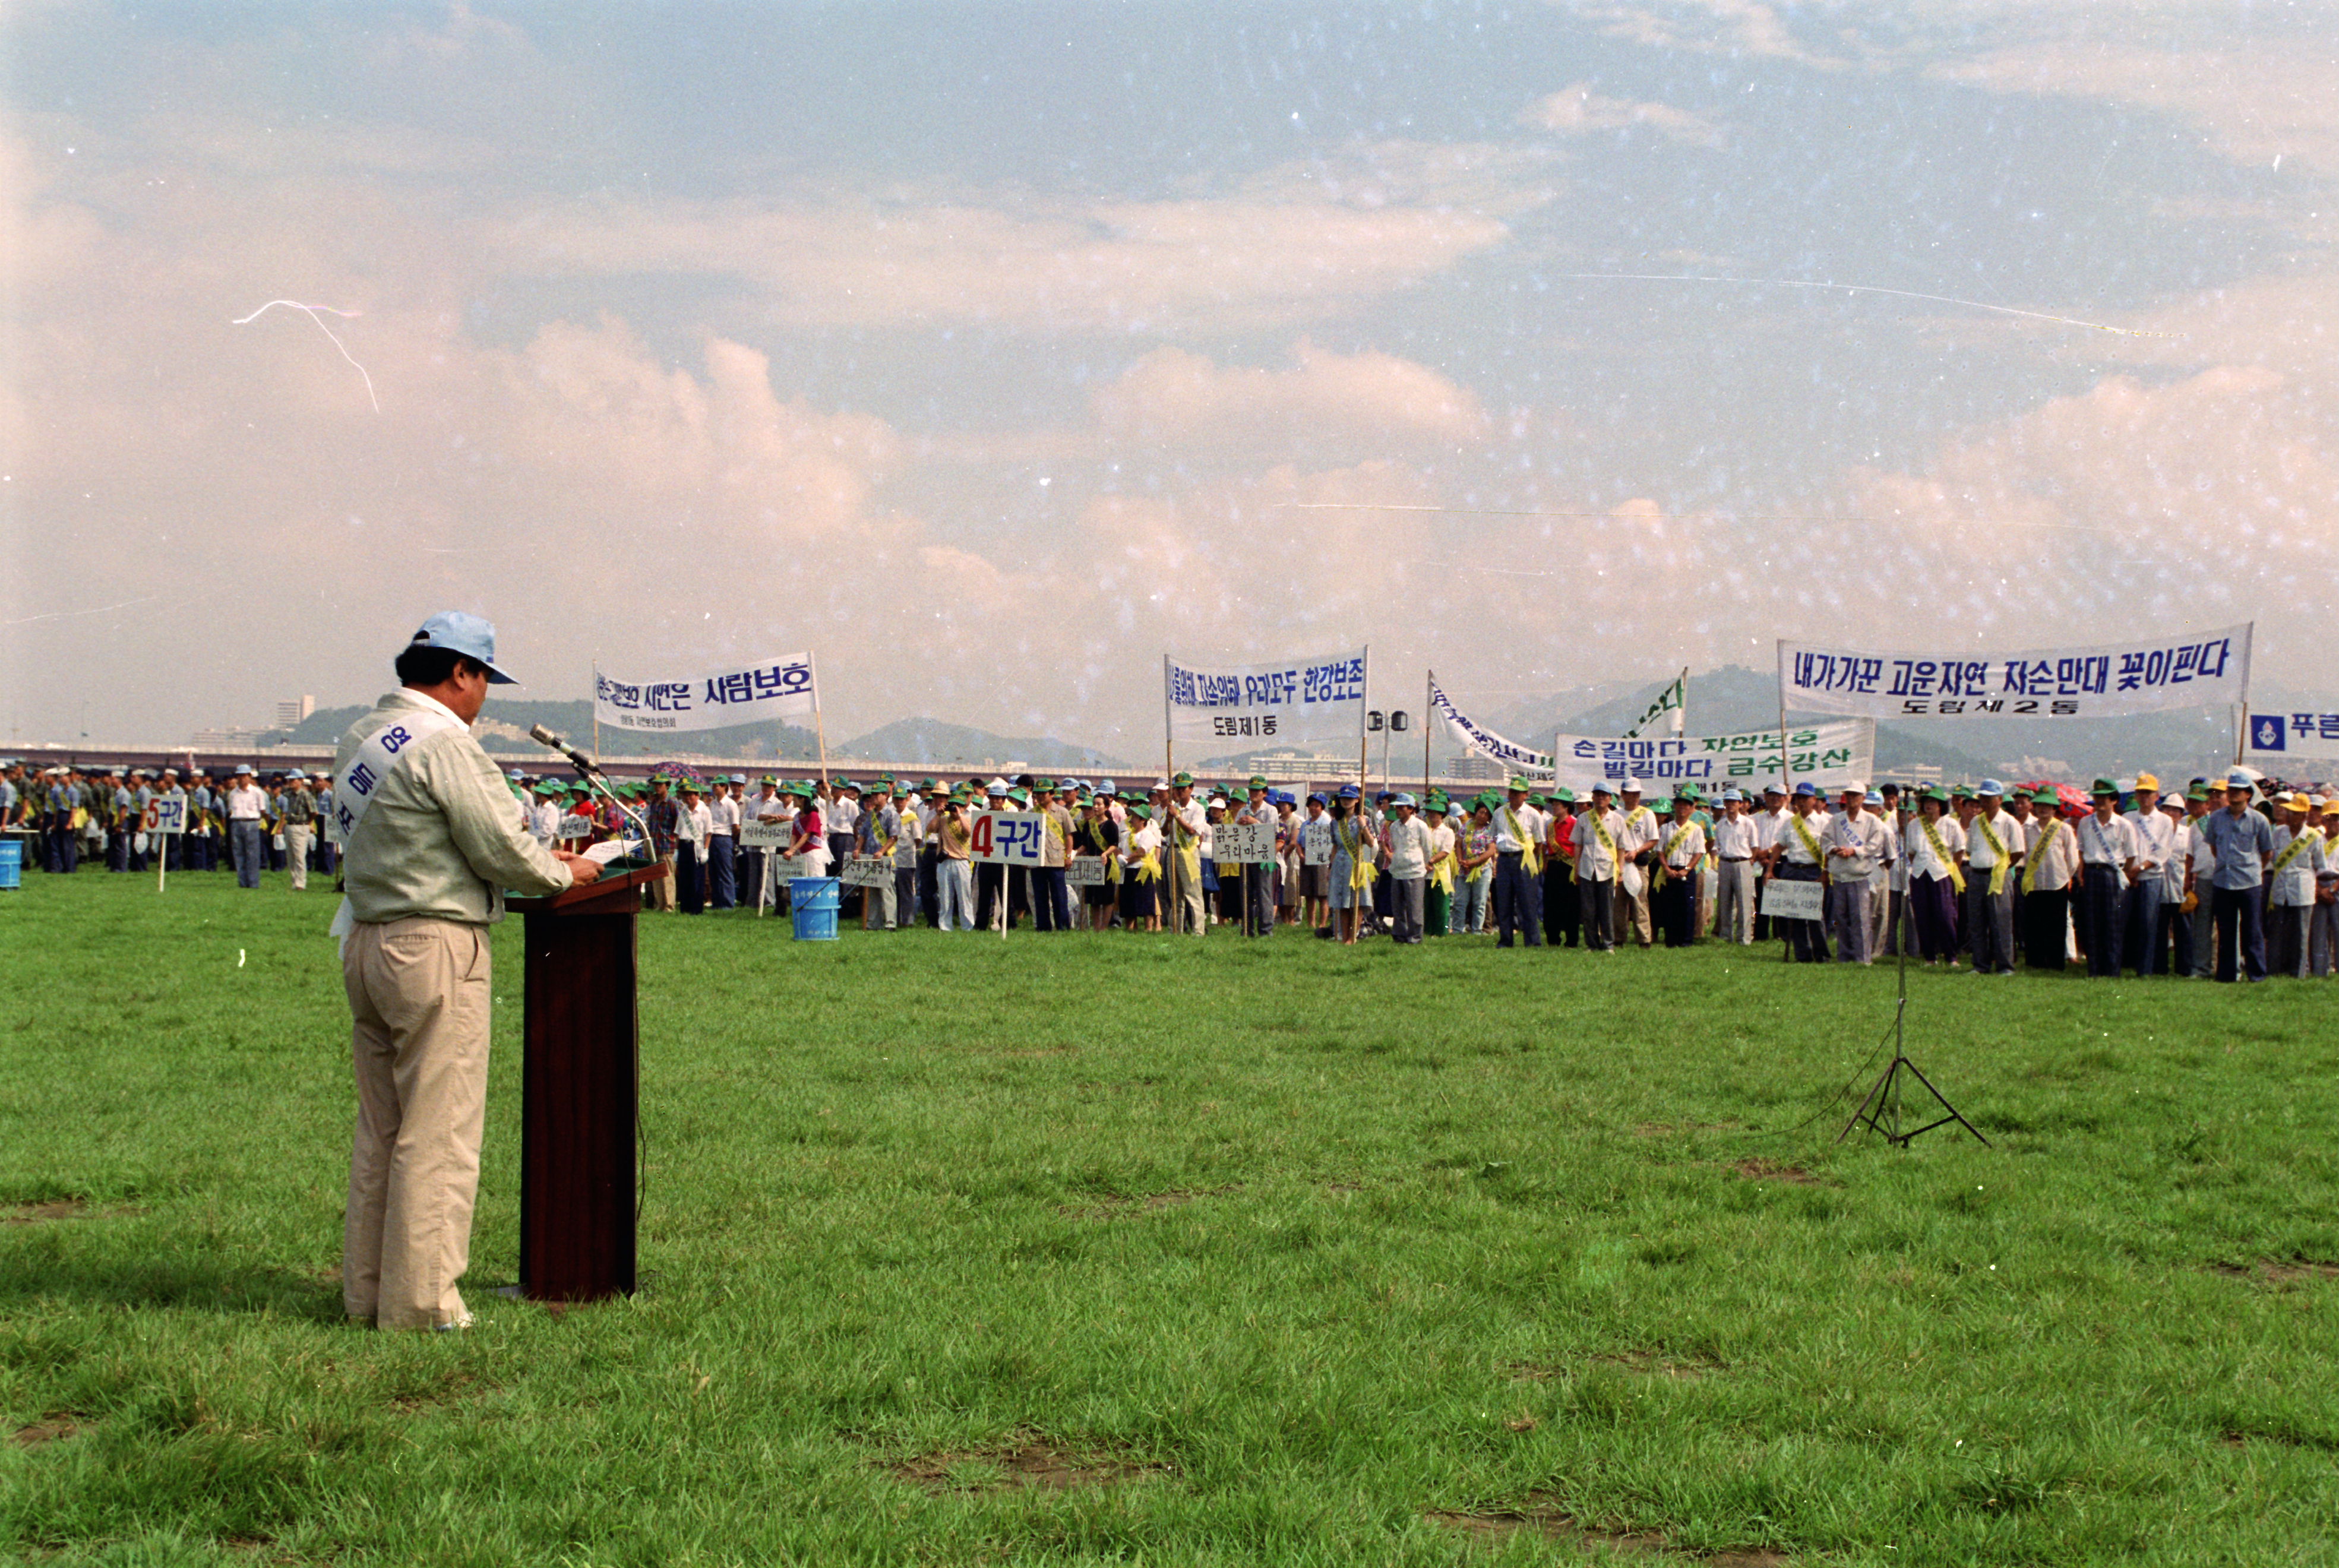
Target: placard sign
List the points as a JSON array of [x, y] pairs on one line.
[[1794, 899], [766, 835], [1007, 837], [164, 816], [785, 868], [1084, 871], [868, 870], [1242, 843], [575, 827]]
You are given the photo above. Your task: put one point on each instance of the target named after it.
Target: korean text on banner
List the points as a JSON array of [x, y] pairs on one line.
[[868, 870], [1007, 837], [1831, 755], [1084, 871], [1308, 699], [2285, 738], [2111, 680], [1485, 742], [1242, 843], [744, 694], [1794, 899]]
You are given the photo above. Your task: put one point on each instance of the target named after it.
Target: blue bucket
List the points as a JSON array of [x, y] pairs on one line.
[[12, 861], [812, 905]]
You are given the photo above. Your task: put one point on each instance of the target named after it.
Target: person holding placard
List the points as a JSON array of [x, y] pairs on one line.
[[1316, 864], [1258, 881], [1800, 854]]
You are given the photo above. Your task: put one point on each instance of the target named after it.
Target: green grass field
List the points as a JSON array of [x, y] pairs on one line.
[[1126, 1249]]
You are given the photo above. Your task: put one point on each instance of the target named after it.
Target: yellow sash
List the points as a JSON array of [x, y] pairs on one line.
[[1352, 844], [2306, 836], [1149, 869], [1941, 853], [1530, 858], [2031, 867], [1441, 874], [1802, 827], [1600, 832], [1997, 873], [1675, 842]]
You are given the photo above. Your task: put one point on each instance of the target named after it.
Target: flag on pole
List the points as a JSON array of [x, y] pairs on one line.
[[1674, 699]]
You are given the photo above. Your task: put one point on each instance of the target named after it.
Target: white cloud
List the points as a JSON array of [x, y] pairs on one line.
[[1578, 110]]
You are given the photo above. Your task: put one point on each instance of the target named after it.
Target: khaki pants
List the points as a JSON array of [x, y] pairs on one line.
[[297, 838], [663, 892], [1632, 913], [419, 992]]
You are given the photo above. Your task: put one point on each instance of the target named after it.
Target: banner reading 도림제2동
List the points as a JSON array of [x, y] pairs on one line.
[[746, 693], [1832, 755], [2107, 680], [1311, 699]]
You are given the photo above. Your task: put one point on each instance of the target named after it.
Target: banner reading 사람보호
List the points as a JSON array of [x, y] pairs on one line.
[[744, 694], [2107, 680], [1311, 699]]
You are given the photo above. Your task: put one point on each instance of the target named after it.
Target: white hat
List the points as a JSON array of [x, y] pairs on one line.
[[1630, 787]]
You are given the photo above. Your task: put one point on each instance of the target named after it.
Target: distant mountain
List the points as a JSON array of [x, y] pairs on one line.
[[932, 743]]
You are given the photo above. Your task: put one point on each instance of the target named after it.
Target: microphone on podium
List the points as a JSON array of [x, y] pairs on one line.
[[578, 760]]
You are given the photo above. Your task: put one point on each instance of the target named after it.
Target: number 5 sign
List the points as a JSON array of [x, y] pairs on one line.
[[1007, 837]]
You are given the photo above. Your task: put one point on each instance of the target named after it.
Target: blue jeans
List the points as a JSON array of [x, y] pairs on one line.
[[251, 850], [722, 887]]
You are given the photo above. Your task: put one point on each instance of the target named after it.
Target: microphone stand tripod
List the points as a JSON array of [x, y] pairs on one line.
[[1879, 1109]]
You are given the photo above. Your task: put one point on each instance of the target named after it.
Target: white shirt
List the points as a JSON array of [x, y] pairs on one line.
[[2293, 887], [724, 814], [1923, 863], [1594, 862], [1688, 851], [2179, 856], [246, 803], [1640, 830], [2054, 858], [1410, 849], [842, 815], [1978, 854], [2109, 843], [1529, 830], [693, 822], [1790, 840], [544, 822], [2154, 833], [1866, 835], [1738, 838], [2205, 855], [1442, 841]]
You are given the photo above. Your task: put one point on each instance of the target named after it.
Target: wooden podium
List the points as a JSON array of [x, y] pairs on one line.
[[580, 1081]]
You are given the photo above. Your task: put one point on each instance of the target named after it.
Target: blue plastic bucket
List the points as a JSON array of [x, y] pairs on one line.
[[812, 905], [12, 861]]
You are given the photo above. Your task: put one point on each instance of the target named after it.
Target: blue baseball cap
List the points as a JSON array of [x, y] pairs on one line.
[[1317, 797], [1805, 786], [1990, 787], [1350, 791], [470, 635], [2238, 779]]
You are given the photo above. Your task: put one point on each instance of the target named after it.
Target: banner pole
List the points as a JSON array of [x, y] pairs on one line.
[[1428, 717], [1365, 778], [2241, 732], [1786, 778], [1170, 829]]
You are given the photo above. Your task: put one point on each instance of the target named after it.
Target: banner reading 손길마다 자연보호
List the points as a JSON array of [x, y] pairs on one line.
[[1310, 699], [2107, 680], [1832, 754], [744, 693]]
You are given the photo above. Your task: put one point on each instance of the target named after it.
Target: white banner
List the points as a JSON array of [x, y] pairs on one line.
[[2288, 737], [747, 694], [868, 870], [1309, 699], [1832, 755], [1007, 837], [1784, 900], [1485, 742], [2110, 680], [1242, 843], [767, 834]]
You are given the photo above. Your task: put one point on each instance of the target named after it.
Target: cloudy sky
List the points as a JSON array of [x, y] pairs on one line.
[[992, 349]]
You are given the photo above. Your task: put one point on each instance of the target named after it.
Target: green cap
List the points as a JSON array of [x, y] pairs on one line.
[[2103, 787], [2048, 795]]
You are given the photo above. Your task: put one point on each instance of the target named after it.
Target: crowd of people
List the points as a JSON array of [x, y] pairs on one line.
[[2230, 878]]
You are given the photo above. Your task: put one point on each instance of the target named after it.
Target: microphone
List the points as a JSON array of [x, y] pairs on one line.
[[578, 760]]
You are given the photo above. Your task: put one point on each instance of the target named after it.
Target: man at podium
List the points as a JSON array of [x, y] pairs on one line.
[[430, 842]]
